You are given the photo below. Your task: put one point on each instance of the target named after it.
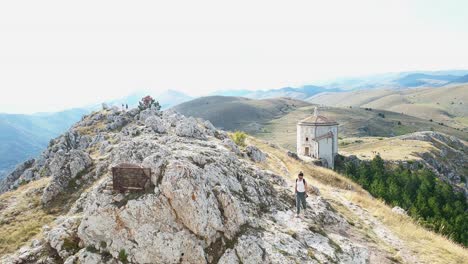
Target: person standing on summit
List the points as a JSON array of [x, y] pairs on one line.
[[301, 193]]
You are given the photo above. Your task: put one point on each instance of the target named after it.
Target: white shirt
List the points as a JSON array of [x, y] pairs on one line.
[[300, 185]]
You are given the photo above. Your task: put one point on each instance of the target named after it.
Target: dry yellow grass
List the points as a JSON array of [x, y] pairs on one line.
[[387, 148], [91, 130], [22, 216], [427, 246], [445, 104], [320, 175]]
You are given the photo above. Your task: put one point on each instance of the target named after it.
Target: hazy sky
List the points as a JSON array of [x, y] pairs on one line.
[[62, 54]]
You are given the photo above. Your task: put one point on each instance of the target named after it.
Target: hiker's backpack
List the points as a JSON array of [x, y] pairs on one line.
[[306, 195], [302, 179]]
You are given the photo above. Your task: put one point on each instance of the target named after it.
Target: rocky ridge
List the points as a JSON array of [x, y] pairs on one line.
[[209, 202], [447, 157]]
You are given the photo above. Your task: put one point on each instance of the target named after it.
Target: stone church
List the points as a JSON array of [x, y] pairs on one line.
[[317, 137]]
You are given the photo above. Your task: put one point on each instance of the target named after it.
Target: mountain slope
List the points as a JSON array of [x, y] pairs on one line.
[[445, 155], [207, 201], [24, 136], [445, 104], [462, 79], [231, 113], [422, 79]]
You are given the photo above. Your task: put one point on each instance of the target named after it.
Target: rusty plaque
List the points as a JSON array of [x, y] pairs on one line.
[[130, 177]]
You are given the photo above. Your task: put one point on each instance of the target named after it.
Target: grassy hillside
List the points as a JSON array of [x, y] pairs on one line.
[[232, 113], [446, 104], [354, 122], [22, 216]]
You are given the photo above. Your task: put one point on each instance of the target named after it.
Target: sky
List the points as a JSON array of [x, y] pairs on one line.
[[62, 54]]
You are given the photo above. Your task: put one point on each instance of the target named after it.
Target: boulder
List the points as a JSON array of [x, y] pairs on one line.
[[255, 154], [65, 167], [399, 210], [231, 146], [63, 237], [189, 127], [293, 155], [149, 112], [157, 124]]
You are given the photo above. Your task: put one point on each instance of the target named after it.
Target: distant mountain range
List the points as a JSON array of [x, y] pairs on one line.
[[463, 79], [398, 80]]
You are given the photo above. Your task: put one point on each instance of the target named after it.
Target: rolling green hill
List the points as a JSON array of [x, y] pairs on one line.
[[446, 104], [275, 119], [232, 113]]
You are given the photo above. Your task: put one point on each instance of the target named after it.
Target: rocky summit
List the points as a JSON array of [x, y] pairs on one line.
[[209, 201]]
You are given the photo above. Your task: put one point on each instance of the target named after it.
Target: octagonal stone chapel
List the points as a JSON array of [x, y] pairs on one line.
[[317, 137]]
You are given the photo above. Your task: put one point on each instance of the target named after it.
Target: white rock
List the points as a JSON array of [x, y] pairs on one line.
[[189, 127], [157, 124], [399, 210], [255, 153]]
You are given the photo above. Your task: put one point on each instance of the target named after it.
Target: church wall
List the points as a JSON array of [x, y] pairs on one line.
[[335, 137], [327, 148]]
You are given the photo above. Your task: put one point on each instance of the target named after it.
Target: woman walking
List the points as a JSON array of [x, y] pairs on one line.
[[301, 193]]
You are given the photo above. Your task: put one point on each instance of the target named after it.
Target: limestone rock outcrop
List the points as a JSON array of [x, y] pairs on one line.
[[208, 204], [255, 154]]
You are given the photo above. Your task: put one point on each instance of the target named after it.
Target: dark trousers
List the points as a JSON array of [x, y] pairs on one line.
[[300, 199]]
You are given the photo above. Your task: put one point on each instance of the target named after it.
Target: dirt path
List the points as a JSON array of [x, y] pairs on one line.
[[379, 229]]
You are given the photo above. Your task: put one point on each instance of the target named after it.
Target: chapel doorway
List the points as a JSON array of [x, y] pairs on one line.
[[306, 151]]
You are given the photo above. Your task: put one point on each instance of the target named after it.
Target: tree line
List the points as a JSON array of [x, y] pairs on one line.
[[425, 197]]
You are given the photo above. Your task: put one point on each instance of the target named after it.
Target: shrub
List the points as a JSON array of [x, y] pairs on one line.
[[123, 257], [92, 249], [71, 244], [239, 138], [22, 182]]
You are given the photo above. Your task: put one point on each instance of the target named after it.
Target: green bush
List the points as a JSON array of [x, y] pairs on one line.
[[239, 138]]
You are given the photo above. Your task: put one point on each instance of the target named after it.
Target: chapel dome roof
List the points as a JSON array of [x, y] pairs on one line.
[[317, 119]]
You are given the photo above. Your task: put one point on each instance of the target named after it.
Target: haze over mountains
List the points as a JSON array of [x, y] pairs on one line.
[[25, 135]]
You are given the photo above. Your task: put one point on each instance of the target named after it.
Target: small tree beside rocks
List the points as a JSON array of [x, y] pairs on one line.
[[239, 138], [148, 102]]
